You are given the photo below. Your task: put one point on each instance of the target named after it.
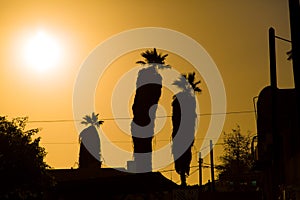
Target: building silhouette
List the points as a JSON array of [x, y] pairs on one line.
[[278, 143]]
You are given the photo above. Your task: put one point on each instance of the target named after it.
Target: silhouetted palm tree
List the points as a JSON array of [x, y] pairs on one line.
[[184, 120], [148, 91], [89, 153]]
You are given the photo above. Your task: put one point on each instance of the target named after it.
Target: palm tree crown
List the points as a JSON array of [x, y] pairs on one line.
[[152, 57], [92, 120], [187, 82]]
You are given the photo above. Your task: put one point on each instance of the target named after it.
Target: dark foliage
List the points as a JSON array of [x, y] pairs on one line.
[[152, 57], [237, 160], [22, 169]]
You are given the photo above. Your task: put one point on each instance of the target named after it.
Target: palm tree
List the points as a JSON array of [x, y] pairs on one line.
[[148, 92], [184, 120], [89, 153]]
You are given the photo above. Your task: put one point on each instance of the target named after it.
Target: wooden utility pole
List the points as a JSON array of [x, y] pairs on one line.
[[212, 169], [200, 161]]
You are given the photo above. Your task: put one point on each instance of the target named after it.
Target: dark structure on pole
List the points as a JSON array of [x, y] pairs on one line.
[[272, 60]]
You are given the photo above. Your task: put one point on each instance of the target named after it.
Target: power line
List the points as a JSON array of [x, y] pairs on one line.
[[59, 143], [194, 172], [227, 113], [130, 118], [169, 170], [53, 121], [127, 141]]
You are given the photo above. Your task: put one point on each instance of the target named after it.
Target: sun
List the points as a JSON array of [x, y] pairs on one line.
[[42, 51]]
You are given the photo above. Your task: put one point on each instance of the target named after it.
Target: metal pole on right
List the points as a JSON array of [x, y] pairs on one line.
[[294, 7], [200, 170], [275, 178], [272, 54], [212, 169]]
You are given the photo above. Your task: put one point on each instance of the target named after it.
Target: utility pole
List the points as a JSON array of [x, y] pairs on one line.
[[294, 8], [212, 169], [272, 54], [275, 178], [200, 170]]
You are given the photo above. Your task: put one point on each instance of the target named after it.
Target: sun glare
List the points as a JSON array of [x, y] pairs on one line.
[[42, 51]]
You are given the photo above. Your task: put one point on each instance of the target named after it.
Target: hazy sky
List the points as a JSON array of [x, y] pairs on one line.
[[233, 32]]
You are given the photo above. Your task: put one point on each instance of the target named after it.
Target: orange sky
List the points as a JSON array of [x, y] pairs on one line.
[[233, 32]]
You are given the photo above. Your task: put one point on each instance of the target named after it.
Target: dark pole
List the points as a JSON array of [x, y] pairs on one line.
[[272, 54], [212, 169], [276, 154], [294, 8], [200, 170]]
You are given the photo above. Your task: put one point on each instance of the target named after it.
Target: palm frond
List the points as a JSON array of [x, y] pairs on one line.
[[164, 56], [191, 77], [155, 52], [197, 89], [140, 62], [98, 123], [198, 82], [84, 123], [87, 119], [181, 83], [187, 82], [94, 117]]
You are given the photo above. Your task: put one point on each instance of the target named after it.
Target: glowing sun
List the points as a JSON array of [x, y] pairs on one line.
[[42, 51]]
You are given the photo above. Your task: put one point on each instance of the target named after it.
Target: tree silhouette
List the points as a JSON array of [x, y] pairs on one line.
[[23, 171], [236, 159], [148, 92], [89, 153], [184, 120]]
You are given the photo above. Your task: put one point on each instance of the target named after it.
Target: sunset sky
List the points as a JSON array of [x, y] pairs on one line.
[[233, 32]]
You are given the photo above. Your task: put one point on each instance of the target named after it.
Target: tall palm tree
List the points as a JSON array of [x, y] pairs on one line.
[[148, 92], [184, 120], [89, 153]]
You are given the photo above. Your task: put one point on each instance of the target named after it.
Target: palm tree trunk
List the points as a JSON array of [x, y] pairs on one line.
[[183, 179], [144, 111]]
